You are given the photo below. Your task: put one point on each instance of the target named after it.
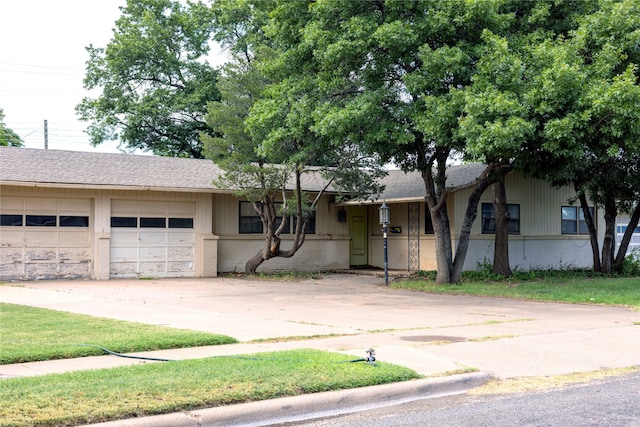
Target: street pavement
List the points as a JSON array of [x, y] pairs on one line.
[[436, 335]]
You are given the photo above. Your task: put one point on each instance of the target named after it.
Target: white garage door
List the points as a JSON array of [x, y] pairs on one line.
[[152, 239], [45, 238]]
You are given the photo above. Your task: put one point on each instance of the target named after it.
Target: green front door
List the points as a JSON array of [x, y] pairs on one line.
[[358, 254]]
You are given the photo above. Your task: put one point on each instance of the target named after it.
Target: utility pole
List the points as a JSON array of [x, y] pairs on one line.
[[46, 135]]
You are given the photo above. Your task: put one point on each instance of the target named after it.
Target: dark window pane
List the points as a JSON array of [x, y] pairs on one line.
[[250, 225], [514, 211], [124, 221], [514, 218], [11, 220], [249, 221], [428, 223], [41, 220], [180, 222], [277, 224], [311, 224], [153, 223], [569, 227], [74, 221], [514, 226], [584, 229], [488, 219], [488, 225], [569, 213], [582, 223]]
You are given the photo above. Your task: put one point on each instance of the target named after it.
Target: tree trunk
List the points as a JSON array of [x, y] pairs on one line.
[[593, 234], [443, 254], [608, 243], [618, 263], [487, 178], [437, 202], [254, 262], [501, 242]]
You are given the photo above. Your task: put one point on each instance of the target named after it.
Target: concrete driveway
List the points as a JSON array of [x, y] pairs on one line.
[[433, 334]]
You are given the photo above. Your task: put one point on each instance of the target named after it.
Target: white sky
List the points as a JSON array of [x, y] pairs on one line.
[[42, 64]]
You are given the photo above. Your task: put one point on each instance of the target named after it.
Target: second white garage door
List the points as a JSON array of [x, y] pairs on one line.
[[152, 239]]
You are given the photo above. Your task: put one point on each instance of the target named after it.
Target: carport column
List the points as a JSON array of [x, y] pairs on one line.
[[101, 237], [207, 256], [102, 258]]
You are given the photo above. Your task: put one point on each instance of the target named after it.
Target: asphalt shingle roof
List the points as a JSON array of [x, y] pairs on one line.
[[104, 170], [409, 185]]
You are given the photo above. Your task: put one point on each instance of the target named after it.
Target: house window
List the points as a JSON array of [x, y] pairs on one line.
[[573, 221], [311, 224], [11, 220], [41, 221], [428, 223], [250, 222], [74, 221], [489, 218], [124, 222], [153, 223]]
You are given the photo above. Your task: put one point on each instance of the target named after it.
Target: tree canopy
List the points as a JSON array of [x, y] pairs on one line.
[[268, 138], [395, 77], [154, 79], [566, 108], [8, 138]]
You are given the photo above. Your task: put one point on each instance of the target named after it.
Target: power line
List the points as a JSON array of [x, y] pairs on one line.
[[40, 72], [39, 66]]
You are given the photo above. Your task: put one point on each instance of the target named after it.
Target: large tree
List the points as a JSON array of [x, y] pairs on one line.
[[393, 75], [576, 100], [267, 143], [7, 136], [154, 79]]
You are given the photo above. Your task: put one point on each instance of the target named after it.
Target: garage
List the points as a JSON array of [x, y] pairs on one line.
[[45, 238], [152, 239]]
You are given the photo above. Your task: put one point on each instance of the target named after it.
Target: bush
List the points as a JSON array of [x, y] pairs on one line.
[[631, 266]]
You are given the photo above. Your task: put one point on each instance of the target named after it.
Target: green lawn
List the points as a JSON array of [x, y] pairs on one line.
[[30, 334], [155, 388], [575, 288]]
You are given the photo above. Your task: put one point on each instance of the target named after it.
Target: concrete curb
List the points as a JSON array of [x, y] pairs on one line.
[[311, 406]]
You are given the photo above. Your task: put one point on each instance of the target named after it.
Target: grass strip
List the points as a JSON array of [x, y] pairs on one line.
[[606, 291], [29, 334], [156, 388]]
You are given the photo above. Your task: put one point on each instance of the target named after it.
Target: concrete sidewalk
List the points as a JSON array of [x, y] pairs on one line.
[[432, 334]]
